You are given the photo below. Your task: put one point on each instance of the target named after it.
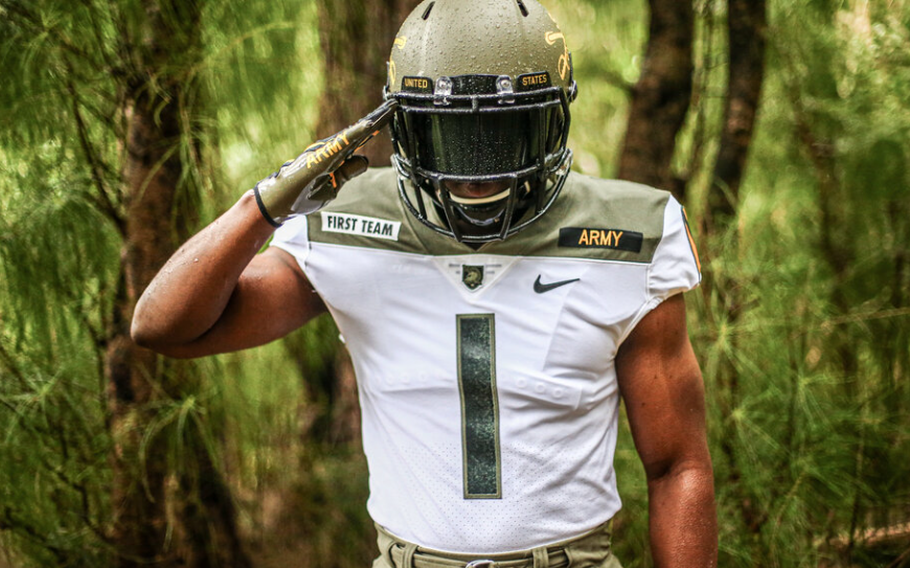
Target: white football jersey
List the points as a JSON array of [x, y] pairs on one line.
[[486, 378]]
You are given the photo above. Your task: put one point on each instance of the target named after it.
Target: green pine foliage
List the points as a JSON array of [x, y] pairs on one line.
[[810, 445], [58, 262], [817, 431], [61, 215]]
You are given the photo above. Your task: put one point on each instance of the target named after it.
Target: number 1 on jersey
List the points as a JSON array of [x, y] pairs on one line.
[[479, 406]]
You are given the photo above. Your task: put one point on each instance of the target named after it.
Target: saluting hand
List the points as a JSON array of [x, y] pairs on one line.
[[306, 184]]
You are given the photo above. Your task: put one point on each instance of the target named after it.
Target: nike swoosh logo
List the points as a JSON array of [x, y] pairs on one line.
[[541, 288]]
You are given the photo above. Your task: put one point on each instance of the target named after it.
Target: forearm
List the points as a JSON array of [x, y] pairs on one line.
[[683, 520], [191, 291]]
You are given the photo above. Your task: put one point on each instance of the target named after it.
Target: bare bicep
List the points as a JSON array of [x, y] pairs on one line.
[[272, 298], [662, 387]]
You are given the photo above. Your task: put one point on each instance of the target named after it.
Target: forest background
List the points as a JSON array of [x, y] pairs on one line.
[[127, 125]]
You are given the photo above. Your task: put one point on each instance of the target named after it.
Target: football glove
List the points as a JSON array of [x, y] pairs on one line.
[[306, 184]]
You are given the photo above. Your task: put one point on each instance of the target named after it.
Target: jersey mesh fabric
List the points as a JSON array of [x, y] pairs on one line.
[[555, 383]]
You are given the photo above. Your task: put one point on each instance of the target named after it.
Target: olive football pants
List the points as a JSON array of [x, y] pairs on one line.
[[590, 550]]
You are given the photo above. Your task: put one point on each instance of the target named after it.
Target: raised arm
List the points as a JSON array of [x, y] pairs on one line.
[[661, 384], [216, 294]]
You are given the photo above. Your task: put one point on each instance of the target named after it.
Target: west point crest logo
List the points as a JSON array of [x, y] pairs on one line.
[[472, 276]]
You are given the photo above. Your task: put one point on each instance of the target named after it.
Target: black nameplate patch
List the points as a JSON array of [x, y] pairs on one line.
[[617, 239], [416, 85], [533, 82]]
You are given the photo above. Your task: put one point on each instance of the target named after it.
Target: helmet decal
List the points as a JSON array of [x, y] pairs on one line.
[[563, 64], [399, 42], [552, 37]]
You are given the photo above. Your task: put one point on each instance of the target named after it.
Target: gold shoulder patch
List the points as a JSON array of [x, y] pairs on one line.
[[588, 237]]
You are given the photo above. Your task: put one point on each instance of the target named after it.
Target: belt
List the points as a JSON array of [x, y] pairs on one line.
[[405, 556]]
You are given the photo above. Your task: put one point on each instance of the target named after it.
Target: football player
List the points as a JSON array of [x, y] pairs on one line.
[[496, 306]]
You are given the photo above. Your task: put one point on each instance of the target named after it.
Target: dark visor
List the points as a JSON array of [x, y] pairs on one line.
[[477, 144]]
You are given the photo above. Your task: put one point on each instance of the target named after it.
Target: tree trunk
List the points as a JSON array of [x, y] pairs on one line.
[[660, 98], [356, 39], [148, 495], [746, 27], [140, 519]]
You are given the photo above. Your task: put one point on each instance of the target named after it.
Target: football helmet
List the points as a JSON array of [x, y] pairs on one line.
[[483, 88]]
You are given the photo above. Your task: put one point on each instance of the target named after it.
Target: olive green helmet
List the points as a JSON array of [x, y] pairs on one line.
[[484, 88]]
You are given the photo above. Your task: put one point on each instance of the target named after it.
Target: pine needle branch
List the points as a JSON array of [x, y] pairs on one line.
[[82, 491], [32, 21], [102, 115], [123, 45], [57, 430], [103, 199], [100, 42], [10, 366], [9, 521]]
